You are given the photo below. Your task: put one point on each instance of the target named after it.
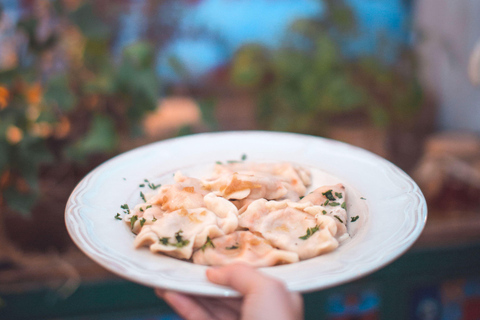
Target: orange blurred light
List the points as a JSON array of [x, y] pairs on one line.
[[172, 114], [34, 94], [42, 129], [63, 128], [14, 134], [4, 96]]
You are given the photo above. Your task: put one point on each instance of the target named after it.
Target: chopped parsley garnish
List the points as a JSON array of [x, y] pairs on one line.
[[326, 203], [133, 220], [125, 208], [328, 194], [344, 205], [338, 195], [142, 222], [118, 216], [142, 185], [153, 186], [324, 211], [338, 218], [362, 198], [310, 232], [142, 196], [302, 197], [334, 204], [148, 207], [218, 162], [180, 242], [154, 219], [235, 246], [141, 209], [207, 244], [232, 161], [124, 179], [353, 219], [244, 157]]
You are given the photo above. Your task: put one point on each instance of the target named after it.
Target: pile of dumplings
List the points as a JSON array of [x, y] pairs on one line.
[[255, 213]]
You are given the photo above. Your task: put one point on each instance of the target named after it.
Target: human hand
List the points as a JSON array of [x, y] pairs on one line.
[[263, 298]]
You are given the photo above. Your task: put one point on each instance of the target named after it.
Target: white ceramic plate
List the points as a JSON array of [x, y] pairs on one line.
[[394, 219]]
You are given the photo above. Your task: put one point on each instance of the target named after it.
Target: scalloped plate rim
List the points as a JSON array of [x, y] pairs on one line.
[[213, 290]]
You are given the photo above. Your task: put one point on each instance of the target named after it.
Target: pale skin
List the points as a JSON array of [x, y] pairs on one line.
[[263, 297]]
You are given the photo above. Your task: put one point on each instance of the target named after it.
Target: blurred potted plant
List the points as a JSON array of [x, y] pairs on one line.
[[309, 86], [64, 106]]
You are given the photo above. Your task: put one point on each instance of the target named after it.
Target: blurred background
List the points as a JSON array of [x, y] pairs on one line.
[[82, 81]]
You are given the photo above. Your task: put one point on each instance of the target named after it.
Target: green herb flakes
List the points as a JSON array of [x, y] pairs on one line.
[[338, 218], [142, 222], [353, 219], [344, 205], [142, 196], [133, 220], [362, 198], [328, 194], [153, 186], [244, 157], [310, 232], [324, 211], [326, 203], [141, 209], [235, 246], [142, 185], [164, 241], [302, 197], [125, 208], [334, 204], [148, 207], [154, 219], [180, 242], [207, 244], [338, 195], [118, 216], [218, 162]]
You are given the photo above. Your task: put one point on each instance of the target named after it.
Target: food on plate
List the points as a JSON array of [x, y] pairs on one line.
[[255, 213], [242, 246]]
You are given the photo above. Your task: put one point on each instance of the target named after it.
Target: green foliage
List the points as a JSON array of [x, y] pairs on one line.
[[91, 26], [72, 109], [137, 81], [207, 108], [3, 155], [100, 138], [59, 94], [248, 66], [20, 202], [307, 84]]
